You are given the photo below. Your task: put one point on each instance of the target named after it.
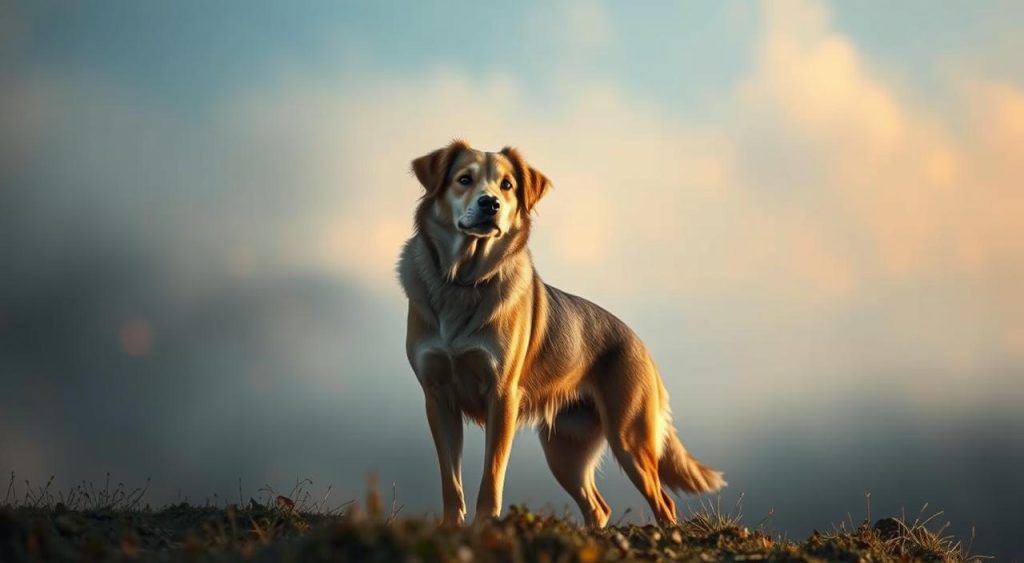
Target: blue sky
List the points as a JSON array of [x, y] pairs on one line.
[[190, 54]]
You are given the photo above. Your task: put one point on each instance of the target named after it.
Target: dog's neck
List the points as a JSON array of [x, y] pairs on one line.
[[466, 261]]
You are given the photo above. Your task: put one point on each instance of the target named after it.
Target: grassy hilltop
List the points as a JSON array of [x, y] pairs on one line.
[[113, 525]]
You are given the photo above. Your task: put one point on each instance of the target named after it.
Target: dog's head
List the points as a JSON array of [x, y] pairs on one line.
[[480, 194]]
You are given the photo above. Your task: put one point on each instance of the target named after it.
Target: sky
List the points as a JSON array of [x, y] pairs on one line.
[[809, 211]]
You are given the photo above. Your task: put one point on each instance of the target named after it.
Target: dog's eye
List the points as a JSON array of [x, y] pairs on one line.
[[506, 185], [465, 180]]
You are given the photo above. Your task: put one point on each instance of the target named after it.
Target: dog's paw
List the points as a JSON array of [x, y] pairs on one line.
[[454, 520], [484, 519]]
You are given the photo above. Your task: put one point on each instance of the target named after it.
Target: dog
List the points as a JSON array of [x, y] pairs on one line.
[[490, 342]]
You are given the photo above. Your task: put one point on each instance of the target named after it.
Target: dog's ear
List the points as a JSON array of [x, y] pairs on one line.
[[432, 169], [533, 185]]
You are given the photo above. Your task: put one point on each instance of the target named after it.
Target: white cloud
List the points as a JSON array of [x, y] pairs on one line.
[[872, 197]]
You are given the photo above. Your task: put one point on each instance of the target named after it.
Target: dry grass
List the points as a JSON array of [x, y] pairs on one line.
[[112, 524], [81, 497], [917, 540]]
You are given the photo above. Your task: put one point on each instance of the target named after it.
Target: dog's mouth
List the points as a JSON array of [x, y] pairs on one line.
[[481, 229]]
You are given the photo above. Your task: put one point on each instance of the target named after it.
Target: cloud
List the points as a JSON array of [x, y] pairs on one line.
[[830, 189], [827, 233]]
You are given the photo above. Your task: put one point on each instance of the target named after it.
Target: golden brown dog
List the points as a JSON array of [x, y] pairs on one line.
[[491, 342]]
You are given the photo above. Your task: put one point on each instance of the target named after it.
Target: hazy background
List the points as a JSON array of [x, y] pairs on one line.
[[813, 214]]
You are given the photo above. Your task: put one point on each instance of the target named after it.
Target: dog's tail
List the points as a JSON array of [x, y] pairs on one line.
[[682, 472]]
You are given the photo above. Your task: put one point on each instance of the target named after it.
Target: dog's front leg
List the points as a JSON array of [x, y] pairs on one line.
[[502, 411], [446, 428]]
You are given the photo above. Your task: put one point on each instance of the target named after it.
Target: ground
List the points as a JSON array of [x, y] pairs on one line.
[[113, 526]]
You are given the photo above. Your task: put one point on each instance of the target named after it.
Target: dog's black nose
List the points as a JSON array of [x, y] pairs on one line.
[[489, 204]]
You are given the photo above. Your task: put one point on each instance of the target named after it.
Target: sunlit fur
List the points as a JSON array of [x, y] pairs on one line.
[[491, 342]]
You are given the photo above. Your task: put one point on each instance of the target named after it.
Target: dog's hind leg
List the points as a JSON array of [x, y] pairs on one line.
[[573, 449], [640, 462], [630, 404]]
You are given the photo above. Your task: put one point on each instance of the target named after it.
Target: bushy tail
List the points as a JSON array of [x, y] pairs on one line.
[[681, 472]]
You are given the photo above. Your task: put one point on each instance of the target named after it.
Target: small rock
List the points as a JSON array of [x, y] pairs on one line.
[[621, 542], [889, 528], [677, 537]]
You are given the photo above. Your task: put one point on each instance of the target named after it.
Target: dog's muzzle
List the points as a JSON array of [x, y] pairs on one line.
[[481, 220]]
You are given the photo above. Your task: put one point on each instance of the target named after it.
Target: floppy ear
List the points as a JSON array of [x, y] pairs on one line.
[[431, 169], [532, 184]]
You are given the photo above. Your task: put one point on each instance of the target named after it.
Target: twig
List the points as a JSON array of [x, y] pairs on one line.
[[395, 507]]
